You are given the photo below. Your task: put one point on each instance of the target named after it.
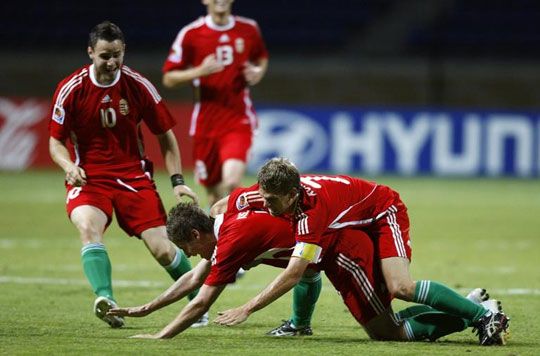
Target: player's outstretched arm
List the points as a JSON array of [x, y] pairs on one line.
[[283, 283], [186, 284], [173, 164], [191, 313]]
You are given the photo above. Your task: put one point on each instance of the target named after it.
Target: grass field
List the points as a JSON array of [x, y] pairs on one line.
[[466, 233]]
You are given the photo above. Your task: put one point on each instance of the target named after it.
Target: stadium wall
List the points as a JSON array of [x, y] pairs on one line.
[[369, 140]]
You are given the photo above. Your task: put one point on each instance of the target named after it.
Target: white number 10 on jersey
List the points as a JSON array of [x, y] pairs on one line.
[[108, 117]]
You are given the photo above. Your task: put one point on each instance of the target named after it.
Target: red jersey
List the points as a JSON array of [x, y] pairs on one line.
[[103, 121], [246, 237], [329, 203], [222, 100]]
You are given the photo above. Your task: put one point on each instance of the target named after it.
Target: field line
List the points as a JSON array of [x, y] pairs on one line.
[[241, 286]]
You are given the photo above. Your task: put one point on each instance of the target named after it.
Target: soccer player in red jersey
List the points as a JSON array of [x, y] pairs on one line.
[[221, 55], [235, 239], [321, 204], [95, 138]]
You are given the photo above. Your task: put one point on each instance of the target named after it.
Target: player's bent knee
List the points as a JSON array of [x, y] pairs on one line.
[[401, 288], [88, 233]]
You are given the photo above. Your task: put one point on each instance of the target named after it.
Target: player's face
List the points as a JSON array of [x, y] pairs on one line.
[[278, 204], [107, 58], [219, 7], [202, 245]]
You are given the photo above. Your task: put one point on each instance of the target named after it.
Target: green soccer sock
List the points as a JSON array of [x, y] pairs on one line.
[[433, 325], [446, 300], [178, 267], [305, 296], [97, 268], [413, 311]]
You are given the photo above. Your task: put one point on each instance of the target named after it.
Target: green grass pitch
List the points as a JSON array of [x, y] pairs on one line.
[[466, 233]]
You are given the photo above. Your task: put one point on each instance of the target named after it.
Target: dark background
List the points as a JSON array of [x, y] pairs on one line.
[[447, 53]]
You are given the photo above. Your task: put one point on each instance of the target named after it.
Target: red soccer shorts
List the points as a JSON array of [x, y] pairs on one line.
[[350, 264], [391, 233], [135, 201], [210, 153]]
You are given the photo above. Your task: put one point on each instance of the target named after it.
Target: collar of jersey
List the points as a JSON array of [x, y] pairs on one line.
[[96, 83], [210, 23]]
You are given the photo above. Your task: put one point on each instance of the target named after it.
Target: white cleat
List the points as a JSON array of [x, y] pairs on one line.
[[101, 306], [478, 295], [492, 305], [203, 321]]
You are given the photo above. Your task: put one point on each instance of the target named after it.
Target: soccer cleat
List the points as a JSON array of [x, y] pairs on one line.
[[492, 329], [288, 329], [101, 306], [478, 295], [495, 306], [203, 321]]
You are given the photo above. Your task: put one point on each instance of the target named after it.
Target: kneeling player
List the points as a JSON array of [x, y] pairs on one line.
[[252, 237]]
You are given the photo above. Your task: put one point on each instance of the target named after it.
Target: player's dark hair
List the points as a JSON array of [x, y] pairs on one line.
[[105, 31], [185, 217], [279, 176]]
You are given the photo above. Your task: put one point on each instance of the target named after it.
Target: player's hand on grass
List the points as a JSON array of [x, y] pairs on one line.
[[232, 316], [135, 312], [75, 176], [185, 191]]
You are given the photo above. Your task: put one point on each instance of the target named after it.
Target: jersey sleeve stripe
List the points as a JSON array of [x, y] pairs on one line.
[[246, 20], [145, 82], [69, 86], [303, 228], [176, 56]]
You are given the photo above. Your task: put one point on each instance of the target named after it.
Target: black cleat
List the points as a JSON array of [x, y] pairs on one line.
[[287, 329], [492, 329]]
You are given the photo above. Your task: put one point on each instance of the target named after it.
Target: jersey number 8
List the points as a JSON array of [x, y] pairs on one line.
[[224, 55]]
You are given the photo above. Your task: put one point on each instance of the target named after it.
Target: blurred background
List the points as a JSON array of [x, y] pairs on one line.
[[447, 87]]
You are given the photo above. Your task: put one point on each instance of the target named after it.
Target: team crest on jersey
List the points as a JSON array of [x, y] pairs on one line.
[[59, 114], [239, 45], [242, 202], [124, 107]]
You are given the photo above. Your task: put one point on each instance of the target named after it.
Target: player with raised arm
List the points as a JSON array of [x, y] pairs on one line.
[[220, 55], [321, 204], [95, 137]]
